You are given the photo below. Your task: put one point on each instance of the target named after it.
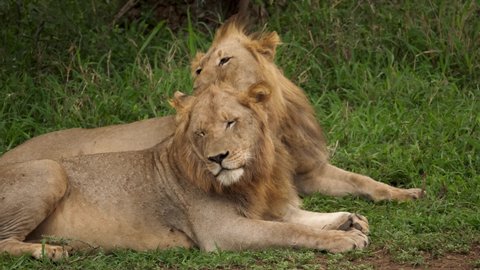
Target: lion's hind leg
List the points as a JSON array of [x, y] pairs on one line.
[[29, 192], [38, 251], [330, 180]]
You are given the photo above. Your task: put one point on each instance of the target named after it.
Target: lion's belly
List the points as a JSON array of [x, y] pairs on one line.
[[86, 226]]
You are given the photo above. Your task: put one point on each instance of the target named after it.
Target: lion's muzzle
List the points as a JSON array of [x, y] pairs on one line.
[[223, 170]]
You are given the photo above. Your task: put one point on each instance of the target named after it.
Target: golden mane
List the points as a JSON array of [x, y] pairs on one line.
[[236, 27], [265, 189], [297, 130]]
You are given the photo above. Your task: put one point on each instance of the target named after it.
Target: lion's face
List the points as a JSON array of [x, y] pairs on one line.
[[234, 58], [229, 61], [224, 135], [224, 132]]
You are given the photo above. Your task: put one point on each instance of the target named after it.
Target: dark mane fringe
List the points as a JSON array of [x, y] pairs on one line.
[[239, 25], [236, 24], [299, 131]]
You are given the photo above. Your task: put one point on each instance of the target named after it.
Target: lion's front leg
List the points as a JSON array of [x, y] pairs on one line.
[[330, 180], [29, 193], [258, 234], [229, 231], [328, 221]]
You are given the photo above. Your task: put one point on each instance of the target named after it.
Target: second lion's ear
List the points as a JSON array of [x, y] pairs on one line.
[[182, 104], [266, 44], [259, 92], [180, 101]]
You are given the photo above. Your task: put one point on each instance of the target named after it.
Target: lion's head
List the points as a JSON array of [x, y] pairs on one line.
[[241, 60], [225, 132], [234, 57], [223, 143]]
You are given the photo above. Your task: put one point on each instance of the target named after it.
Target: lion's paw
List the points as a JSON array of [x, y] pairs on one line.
[[409, 194], [355, 221], [416, 193], [54, 253], [398, 194], [348, 240]]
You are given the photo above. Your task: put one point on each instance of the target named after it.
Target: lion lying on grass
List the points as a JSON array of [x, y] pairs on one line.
[[222, 180], [240, 60]]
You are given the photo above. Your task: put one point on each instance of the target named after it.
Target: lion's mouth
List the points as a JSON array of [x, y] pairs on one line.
[[228, 176]]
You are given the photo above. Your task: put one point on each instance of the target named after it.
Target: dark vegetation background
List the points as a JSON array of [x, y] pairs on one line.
[[395, 84]]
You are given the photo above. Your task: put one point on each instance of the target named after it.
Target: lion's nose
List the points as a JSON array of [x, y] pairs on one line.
[[218, 158]]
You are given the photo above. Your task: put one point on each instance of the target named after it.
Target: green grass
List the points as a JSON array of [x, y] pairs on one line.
[[395, 86]]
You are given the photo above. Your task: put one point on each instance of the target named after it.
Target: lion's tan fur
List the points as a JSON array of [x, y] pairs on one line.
[[78, 141], [164, 196]]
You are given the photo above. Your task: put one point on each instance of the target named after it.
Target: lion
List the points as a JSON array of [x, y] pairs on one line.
[[240, 60], [222, 180]]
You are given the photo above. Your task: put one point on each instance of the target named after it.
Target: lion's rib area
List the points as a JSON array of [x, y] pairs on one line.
[[129, 207]]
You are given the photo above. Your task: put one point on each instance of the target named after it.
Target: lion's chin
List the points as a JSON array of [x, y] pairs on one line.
[[229, 177]]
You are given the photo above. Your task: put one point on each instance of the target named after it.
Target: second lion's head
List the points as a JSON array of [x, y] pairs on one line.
[[236, 57]]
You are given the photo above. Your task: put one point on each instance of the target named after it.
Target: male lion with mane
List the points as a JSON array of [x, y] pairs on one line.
[[222, 180], [241, 60]]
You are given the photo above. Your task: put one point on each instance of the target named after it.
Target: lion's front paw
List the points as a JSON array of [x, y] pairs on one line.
[[54, 253], [355, 221], [348, 240]]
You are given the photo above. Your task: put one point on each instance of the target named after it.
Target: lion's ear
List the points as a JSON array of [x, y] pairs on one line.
[[195, 64], [180, 101], [259, 93], [267, 44]]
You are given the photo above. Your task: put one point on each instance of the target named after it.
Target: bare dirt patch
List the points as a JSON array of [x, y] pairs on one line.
[[382, 260]]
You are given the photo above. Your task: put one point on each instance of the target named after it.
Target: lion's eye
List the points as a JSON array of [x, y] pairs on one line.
[[198, 71], [224, 60], [200, 133], [232, 123]]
